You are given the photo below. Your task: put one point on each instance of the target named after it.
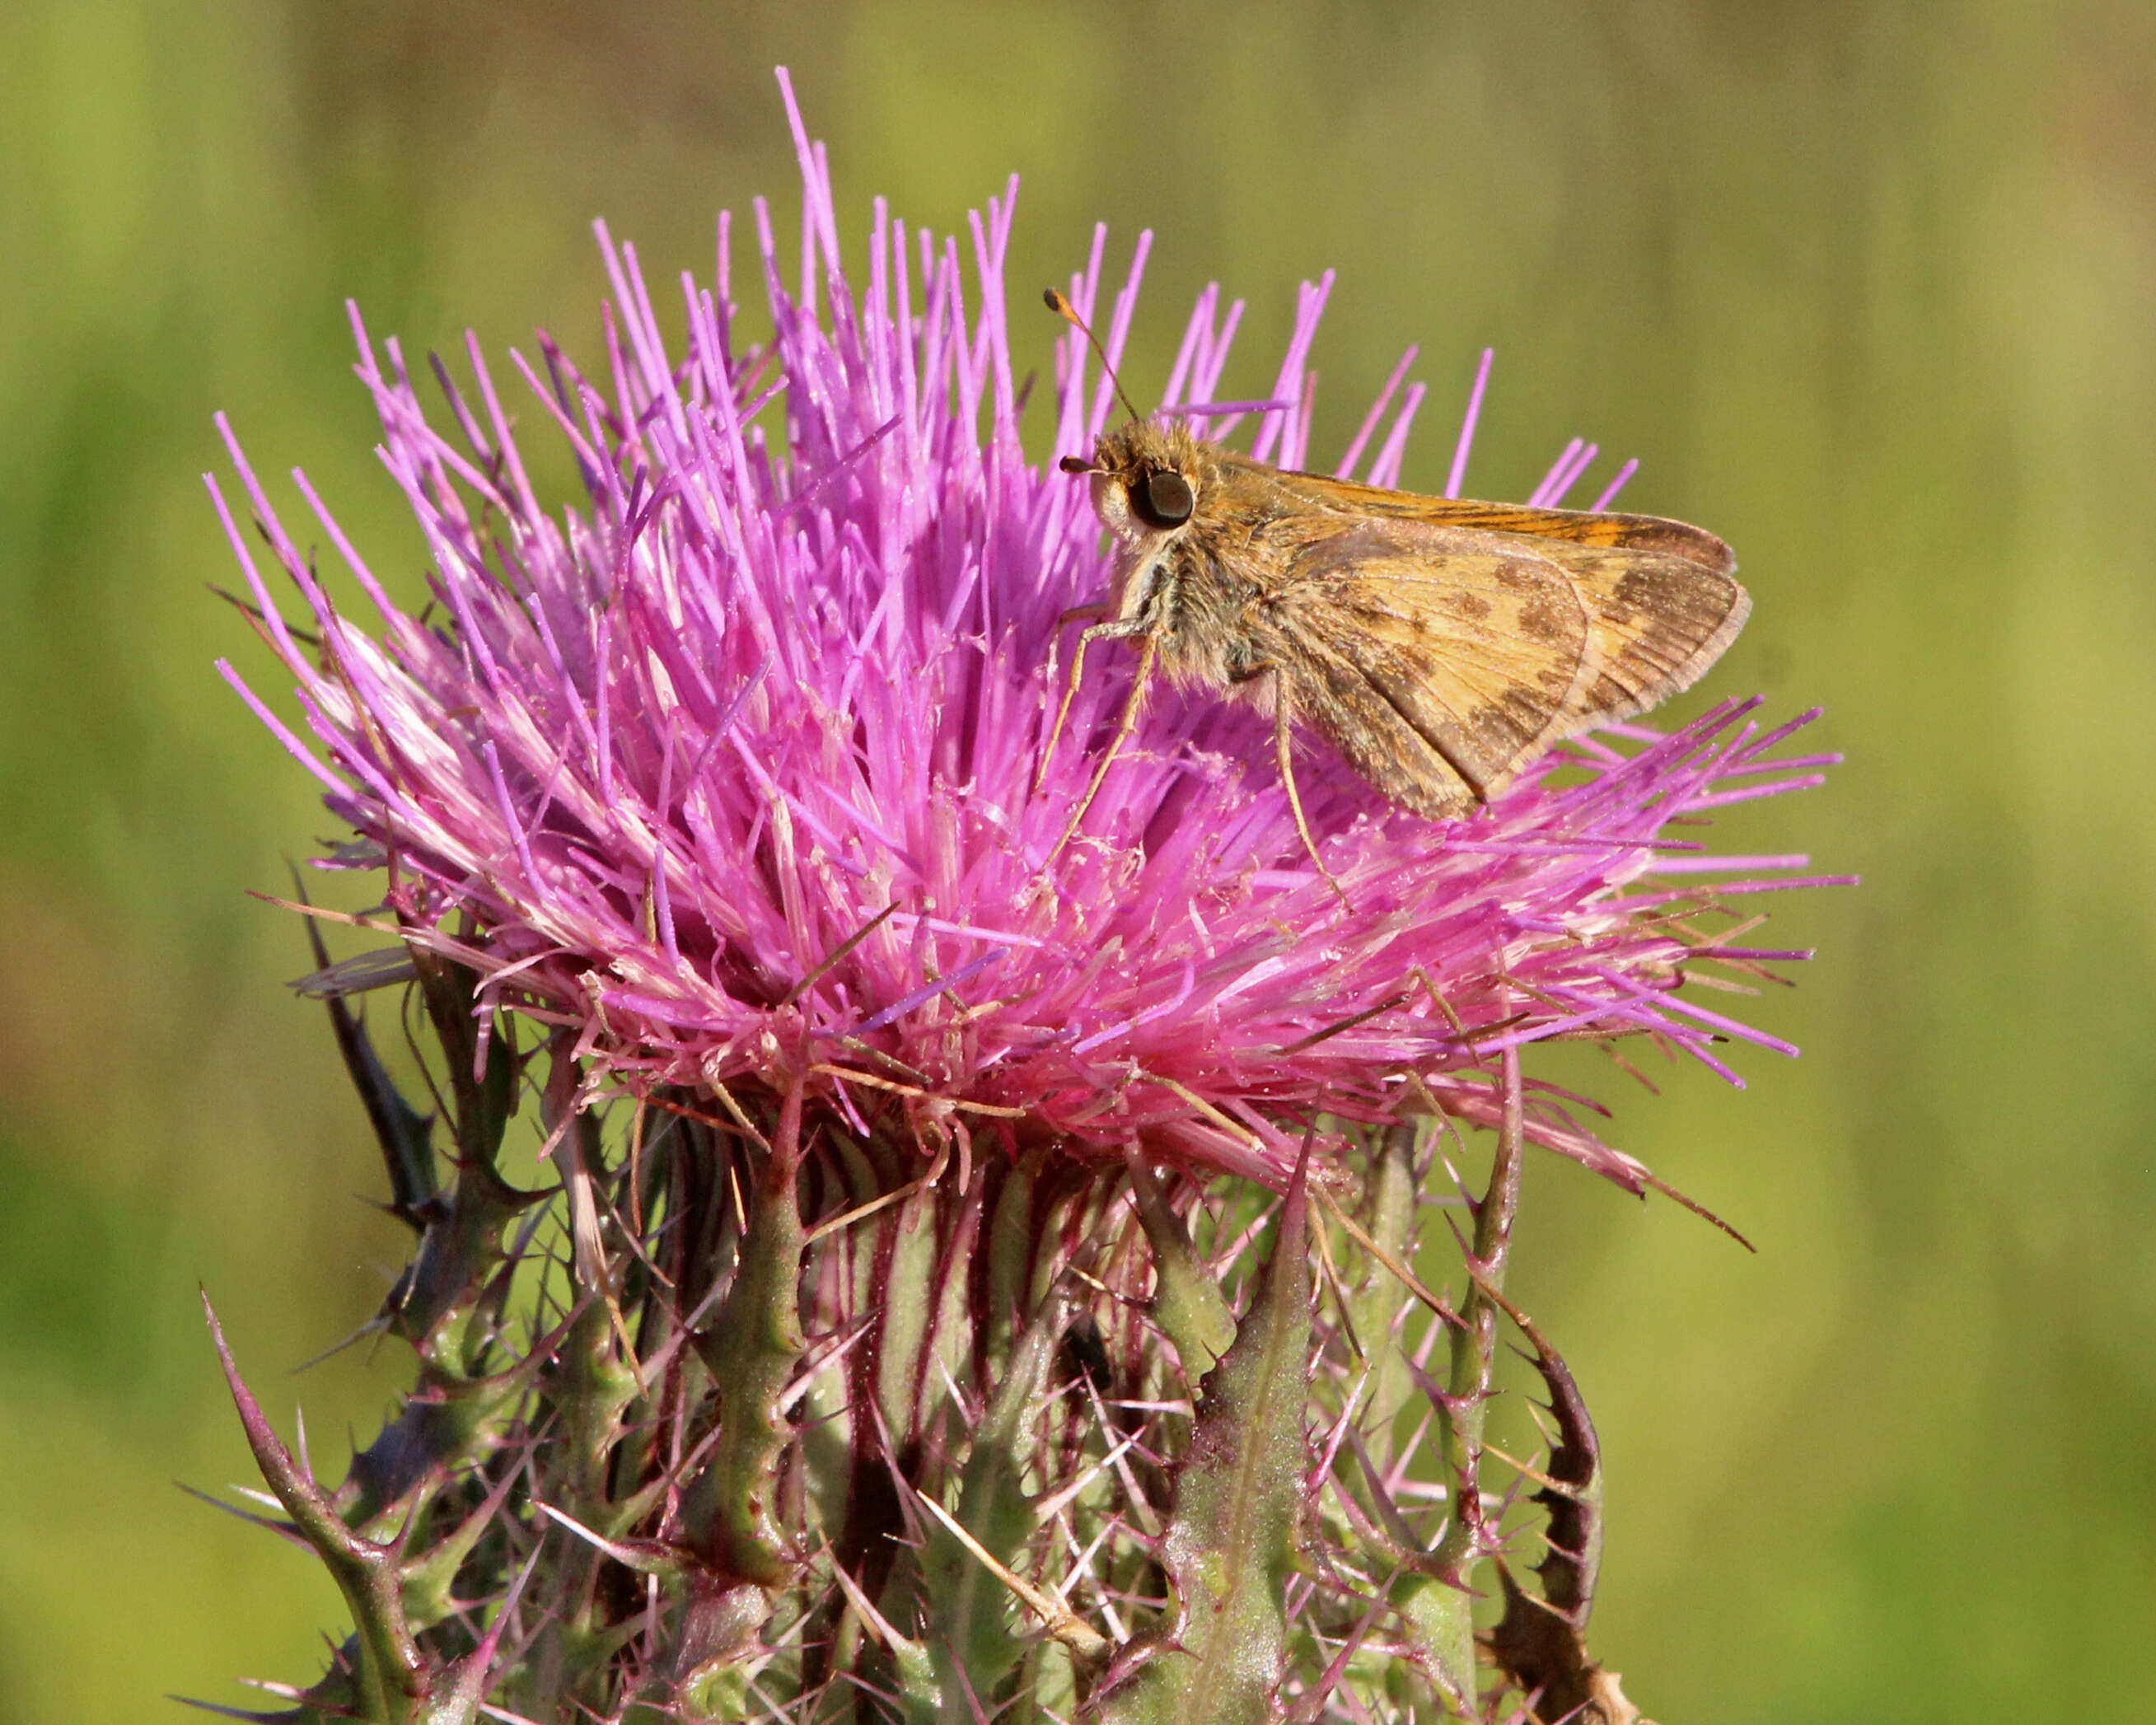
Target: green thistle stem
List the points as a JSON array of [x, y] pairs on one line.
[[1467, 1538], [1436, 1601], [753, 1350]]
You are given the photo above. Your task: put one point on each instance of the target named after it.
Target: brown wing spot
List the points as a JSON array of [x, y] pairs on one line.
[[1641, 589], [1496, 725], [1471, 606], [1540, 620]]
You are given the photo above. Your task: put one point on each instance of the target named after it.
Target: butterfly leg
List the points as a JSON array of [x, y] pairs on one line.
[[1283, 718], [1148, 649], [1070, 688]]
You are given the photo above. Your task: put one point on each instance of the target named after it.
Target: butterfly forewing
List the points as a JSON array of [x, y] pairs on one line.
[[1441, 659], [1636, 533], [1438, 656]]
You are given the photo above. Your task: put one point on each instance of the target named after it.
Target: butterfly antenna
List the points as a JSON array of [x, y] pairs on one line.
[[1064, 309]]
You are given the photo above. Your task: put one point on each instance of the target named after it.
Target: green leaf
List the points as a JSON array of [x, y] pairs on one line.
[[971, 1629], [1231, 1544], [1187, 1302]]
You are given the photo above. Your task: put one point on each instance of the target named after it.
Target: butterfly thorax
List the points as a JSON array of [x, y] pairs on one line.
[[1189, 526]]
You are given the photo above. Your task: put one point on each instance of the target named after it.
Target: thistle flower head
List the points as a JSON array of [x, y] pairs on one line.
[[737, 780], [731, 771]]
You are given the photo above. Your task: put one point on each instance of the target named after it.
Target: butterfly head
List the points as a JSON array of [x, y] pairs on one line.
[[1148, 481]]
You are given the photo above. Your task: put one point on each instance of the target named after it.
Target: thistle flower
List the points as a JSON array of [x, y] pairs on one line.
[[893, 1258]]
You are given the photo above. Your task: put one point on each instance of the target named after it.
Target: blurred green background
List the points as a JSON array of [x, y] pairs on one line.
[[1871, 288]]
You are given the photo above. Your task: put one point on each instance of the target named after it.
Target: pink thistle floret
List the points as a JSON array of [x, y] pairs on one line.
[[731, 776]]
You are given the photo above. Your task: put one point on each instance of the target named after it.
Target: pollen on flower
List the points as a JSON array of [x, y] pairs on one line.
[[731, 769]]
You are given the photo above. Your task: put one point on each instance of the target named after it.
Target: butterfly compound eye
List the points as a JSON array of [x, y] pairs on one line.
[[1162, 500]]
